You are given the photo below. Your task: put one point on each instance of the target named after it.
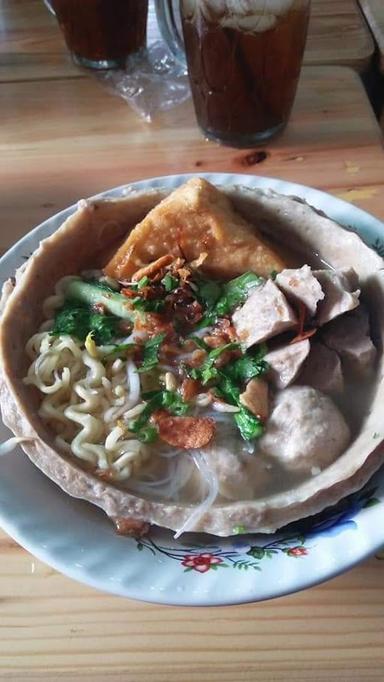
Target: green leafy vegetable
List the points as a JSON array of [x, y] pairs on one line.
[[227, 389], [103, 327], [147, 395], [71, 319], [148, 305], [118, 349], [245, 368], [98, 294], [169, 400], [169, 282], [173, 402], [250, 427], [235, 292], [78, 320], [152, 405], [220, 300], [207, 370], [248, 366], [151, 353], [208, 292], [230, 378], [207, 320], [199, 342]]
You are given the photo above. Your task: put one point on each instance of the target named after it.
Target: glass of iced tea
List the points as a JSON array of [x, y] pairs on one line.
[[244, 59], [101, 34]]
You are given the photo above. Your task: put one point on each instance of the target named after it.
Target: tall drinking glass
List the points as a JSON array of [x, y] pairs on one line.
[[244, 59], [100, 34]]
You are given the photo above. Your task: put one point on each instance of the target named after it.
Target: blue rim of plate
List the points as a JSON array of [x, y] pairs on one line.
[[77, 539]]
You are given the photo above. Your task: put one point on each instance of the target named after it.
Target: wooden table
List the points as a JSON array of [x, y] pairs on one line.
[[338, 35], [31, 44], [374, 13], [67, 138]]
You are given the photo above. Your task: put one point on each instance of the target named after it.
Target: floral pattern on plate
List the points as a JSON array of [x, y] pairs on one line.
[[241, 554], [87, 549]]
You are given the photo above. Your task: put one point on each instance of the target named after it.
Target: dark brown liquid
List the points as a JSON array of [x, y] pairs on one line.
[[244, 83], [99, 30]]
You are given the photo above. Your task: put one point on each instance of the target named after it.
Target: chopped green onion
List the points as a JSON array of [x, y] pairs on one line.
[[169, 282], [168, 400], [143, 282], [199, 342], [148, 434], [151, 353], [97, 294], [208, 292], [148, 305], [207, 371], [236, 291]]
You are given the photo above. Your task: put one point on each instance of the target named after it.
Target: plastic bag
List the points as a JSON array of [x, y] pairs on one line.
[[152, 81]]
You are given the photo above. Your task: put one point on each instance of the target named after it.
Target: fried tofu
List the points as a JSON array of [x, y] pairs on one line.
[[196, 218]]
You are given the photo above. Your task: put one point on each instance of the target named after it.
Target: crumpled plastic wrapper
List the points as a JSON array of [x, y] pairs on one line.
[[152, 81]]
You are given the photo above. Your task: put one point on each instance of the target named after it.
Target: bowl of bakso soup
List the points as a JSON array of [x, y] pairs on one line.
[[203, 360]]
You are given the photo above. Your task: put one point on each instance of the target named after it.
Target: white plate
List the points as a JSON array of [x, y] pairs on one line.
[[78, 540]]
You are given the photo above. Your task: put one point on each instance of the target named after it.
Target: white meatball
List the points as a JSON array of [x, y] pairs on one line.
[[306, 431], [239, 478]]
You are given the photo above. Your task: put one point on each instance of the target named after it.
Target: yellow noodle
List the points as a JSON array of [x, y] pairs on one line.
[[83, 397]]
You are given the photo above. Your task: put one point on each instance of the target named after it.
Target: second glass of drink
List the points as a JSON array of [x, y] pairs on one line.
[[244, 59], [101, 34]]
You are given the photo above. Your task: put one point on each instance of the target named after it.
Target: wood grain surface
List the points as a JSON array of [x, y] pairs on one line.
[[54, 629], [32, 46], [65, 137], [76, 139], [338, 35], [374, 13]]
